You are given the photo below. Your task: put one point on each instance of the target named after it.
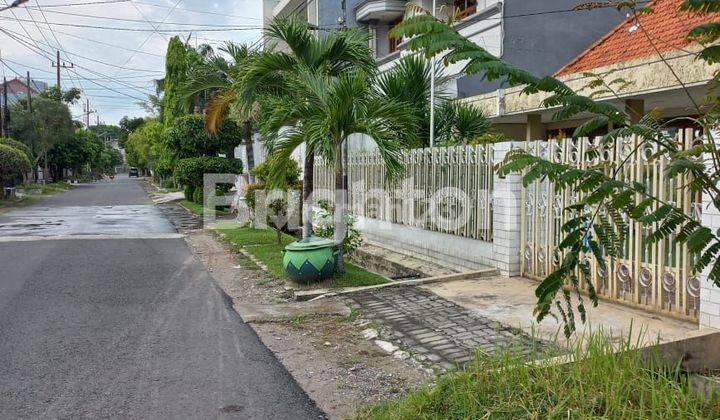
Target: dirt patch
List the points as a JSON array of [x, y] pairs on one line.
[[326, 354]]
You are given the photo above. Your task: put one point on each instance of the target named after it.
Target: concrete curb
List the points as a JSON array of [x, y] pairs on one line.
[[311, 295]]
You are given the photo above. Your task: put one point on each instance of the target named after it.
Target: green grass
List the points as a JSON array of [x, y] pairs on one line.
[[48, 189], [26, 200], [601, 385], [197, 209], [262, 243], [19, 202]]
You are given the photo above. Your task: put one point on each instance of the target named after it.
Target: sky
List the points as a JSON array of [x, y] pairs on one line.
[[116, 47]]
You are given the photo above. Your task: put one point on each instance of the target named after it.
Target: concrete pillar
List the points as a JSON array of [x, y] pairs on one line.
[[709, 292], [709, 314], [635, 108], [534, 128], [507, 199]]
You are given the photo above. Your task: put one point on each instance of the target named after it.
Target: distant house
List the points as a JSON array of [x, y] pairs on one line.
[[18, 88], [650, 57]]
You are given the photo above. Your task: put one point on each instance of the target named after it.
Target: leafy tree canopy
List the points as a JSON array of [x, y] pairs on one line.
[[49, 124], [69, 96], [188, 137]]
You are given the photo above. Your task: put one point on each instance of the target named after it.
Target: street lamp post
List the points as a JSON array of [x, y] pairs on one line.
[[16, 3]]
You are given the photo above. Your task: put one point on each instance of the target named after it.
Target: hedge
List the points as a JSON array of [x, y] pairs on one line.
[[18, 145], [190, 171], [14, 163]]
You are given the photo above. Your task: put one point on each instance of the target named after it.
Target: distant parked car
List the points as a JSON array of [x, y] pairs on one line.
[[133, 172]]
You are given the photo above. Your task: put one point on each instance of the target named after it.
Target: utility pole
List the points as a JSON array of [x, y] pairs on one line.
[[29, 93], [58, 65], [97, 119], [87, 112]]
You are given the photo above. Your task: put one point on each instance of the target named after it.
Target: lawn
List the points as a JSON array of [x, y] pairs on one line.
[[197, 209], [28, 199], [46, 189], [262, 243], [603, 384]]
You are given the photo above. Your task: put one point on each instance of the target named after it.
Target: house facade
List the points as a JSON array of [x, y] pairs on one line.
[[537, 36], [18, 88], [654, 61]]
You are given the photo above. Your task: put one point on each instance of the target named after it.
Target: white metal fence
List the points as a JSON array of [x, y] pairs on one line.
[[650, 275], [444, 189]]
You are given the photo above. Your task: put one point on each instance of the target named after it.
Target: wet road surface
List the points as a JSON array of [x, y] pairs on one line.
[[104, 313]]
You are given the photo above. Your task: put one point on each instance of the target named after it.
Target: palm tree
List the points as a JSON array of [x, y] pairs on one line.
[[322, 111], [267, 75], [455, 122], [213, 76]]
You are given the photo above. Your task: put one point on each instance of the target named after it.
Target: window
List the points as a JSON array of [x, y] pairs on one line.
[[465, 8]]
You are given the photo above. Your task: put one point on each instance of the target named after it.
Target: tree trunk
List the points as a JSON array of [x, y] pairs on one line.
[[308, 186], [249, 149], [46, 173], [339, 215]]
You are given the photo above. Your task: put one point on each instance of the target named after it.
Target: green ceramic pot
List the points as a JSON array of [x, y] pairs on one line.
[[310, 260]]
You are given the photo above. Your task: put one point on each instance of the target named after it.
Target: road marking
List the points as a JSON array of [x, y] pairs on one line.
[[88, 237]]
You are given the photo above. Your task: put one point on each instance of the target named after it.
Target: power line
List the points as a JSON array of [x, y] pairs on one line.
[[155, 30], [90, 58], [108, 44], [199, 11], [60, 46], [25, 43], [118, 19], [88, 3], [207, 28]]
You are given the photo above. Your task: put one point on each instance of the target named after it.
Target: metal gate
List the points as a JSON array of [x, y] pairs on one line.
[[653, 276]]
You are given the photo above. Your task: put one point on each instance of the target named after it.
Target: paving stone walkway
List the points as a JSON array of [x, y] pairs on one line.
[[436, 329]]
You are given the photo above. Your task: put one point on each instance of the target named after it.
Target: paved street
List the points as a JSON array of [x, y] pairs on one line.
[[104, 312]]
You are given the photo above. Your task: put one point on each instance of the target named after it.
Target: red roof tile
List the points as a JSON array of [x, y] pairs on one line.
[[667, 26]]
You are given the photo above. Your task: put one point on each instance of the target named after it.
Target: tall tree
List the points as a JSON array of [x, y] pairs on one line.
[[269, 75], [175, 103], [322, 111], [49, 124]]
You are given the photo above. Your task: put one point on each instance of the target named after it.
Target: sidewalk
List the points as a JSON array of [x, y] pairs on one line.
[[434, 329]]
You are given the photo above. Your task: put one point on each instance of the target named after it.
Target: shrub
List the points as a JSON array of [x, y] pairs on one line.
[[290, 176], [250, 191], [18, 145], [14, 163], [189, 191], [324, 226], [190, 171], [188, 137], [197, 196]]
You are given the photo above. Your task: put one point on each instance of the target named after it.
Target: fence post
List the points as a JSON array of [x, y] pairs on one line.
[[709, 316], [507, 199]]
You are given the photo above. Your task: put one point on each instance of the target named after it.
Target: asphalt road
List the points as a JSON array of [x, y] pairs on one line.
[[124, 322]]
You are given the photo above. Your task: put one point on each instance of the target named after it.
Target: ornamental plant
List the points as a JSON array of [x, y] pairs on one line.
[[14, 164], [190, 172]]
